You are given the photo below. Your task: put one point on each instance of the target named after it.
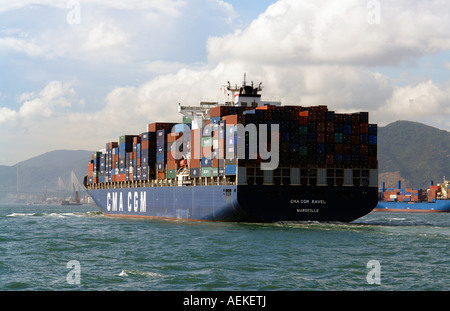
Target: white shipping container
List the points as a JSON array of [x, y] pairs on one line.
[[348, 177], [321, 176], [295, 176], [268, 177]]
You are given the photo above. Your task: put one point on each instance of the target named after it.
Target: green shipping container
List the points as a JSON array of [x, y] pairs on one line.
[[215, 171], [206, 141], [171, 174], [126, 139], [303, 151], [206, 172], [187, 120], [303, 130]]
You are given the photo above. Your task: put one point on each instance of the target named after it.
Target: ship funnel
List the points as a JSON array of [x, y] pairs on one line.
[[399, 185]]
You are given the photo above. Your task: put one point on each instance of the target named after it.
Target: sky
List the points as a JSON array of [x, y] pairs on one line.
[[78, 74]]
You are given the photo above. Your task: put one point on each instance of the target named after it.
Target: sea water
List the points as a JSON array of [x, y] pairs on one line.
[[48, 248]]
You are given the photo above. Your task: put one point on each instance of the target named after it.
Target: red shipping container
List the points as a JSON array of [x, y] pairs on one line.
[[364, 149], [153, 127], [320, 127], [321, 116], [171, 165], [196, 144], [320, 137], [266, 107], [234, 119], [330, 127], [195, 163], [218, 111], [121, 177], [364, 128], [373, 163], [206, 152], [171, 137], [329, 159], [136, 140], [338, 118]]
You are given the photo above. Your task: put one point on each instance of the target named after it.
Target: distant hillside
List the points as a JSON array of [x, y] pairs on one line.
[[408, 151], [41, 173], [414, 153]]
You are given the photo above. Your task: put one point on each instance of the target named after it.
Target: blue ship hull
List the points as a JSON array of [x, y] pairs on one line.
[[238, 203], [439, 206]]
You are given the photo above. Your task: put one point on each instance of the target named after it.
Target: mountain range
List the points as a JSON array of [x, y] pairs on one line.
[[408, 151], [413, 153], [45, 173]]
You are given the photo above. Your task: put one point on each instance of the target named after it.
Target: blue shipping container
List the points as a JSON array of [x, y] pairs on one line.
[[195, 172], [206, 162], [160, 157], [230, 170]]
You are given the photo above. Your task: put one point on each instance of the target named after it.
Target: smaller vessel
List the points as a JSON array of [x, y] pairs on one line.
[[76, 201], [435, 199]]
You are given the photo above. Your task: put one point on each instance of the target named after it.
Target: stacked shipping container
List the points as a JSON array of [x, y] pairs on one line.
[[315, 147], [404, 195]]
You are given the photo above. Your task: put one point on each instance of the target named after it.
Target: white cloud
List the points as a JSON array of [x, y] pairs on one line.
[[55, 94], [337, 32], [7, 114], [168, 7], [417, 102], [304, 52], [105, 36], [28, 47]]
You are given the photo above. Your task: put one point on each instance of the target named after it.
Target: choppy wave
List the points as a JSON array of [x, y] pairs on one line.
[[121, 254], [126, 273], [57, 215]]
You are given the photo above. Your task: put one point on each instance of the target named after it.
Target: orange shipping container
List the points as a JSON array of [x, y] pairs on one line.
[[171, 165], [196, 144], [266, 107], [218, 111], [153, 127], [303, 113], [195, 163]]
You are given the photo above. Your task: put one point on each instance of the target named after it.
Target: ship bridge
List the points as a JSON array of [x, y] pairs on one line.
[[243, 96]]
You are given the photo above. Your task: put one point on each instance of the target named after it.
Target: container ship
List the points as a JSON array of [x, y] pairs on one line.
[[242, 160], [435, 199]]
